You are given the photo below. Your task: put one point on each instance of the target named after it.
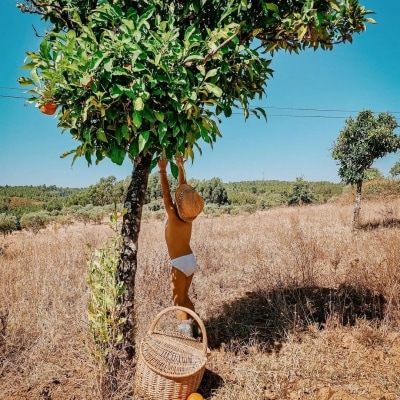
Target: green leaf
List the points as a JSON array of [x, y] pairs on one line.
[[125, 131], [137, 119], [274, 7], [227, 111], [35, 77], [138, 67], [117, 154], [147, 14], [174, 170], [134, 149], [143, 139], [23, 81], [116, 91], [108, 65], [214, 89], [138, 104], [118, 71], [194, 57], [262, 111], [28, 65], [211, 73], [301, 32], [148, 115], [101, 135], [159, 116], [162, 130], [97, 60]]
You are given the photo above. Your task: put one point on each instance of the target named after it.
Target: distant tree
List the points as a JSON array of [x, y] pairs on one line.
[[8, 223], [372, 174], [301, 193], [362, 141], [90, 214], [153, 188], [106, 191], [395, 170], [4, 204], [54, 204], [213, 191], [153, 192], [35, 221]]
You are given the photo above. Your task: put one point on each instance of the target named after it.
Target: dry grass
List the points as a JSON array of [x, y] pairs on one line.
[[296, 305]]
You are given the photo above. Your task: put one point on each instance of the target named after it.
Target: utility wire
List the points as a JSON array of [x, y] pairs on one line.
[[11, 88], [13, 97], [264, 108]]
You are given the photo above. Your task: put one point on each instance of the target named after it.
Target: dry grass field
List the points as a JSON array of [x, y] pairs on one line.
[[296, 305]]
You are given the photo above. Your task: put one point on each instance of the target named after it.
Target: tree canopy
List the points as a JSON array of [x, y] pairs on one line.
[[154, 76], [362, 141]]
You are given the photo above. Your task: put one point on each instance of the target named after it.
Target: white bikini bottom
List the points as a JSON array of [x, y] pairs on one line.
[[187, 264]]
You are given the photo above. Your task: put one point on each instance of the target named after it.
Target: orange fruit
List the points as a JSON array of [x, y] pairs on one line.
[[195, 396], [48, 108]]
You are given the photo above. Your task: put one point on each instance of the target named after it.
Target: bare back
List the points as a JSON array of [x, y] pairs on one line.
[[177, 235]]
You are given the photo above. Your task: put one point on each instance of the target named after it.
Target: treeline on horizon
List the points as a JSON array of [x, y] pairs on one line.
[[35, 207], [250, 195], [107, 191]]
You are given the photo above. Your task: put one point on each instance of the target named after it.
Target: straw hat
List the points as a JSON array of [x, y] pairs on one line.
[[188, 202]]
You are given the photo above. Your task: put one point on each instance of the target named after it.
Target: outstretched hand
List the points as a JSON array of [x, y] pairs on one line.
[[162, 164], [180, 160]]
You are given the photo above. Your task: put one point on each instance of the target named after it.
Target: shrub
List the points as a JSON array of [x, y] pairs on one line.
[[8, 223], [35, 221]]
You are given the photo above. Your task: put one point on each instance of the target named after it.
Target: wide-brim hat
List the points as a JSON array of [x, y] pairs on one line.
[[188, 202]]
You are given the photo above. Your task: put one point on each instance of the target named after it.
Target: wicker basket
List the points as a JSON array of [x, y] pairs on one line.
[[170, 365]]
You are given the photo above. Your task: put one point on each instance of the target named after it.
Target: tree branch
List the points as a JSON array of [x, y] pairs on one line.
[[225, 42]]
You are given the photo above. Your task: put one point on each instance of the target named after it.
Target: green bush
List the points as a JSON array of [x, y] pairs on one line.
[[105, 294], [35, 221], [8, 224]]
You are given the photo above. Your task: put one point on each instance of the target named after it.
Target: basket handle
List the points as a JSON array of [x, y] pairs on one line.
[[188, 311]]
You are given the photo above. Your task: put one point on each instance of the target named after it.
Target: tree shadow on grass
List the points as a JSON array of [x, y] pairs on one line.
[[385, 223], [264, 318]]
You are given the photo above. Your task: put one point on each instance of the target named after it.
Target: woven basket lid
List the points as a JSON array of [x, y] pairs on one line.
[[188, 202], [173, 356]]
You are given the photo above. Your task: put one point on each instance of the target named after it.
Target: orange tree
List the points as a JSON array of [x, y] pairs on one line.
[[362, 141], [150, 78]]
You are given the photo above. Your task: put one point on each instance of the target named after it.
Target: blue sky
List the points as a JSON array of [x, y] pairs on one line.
[[296, 140]]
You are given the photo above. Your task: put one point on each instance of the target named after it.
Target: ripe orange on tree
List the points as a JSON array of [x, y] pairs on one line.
[[49, 108]]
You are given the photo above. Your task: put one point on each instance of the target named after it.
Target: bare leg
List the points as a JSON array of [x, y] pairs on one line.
[[180, 284]]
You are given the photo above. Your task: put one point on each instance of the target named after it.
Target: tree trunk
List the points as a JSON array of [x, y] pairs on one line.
[[127, 267], [357, 206]]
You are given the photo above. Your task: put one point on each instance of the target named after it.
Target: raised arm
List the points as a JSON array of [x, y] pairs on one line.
[[168, 204], [181, 170]]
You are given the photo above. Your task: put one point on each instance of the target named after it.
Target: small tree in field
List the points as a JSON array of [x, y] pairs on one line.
[[8, 224], [35, 221], [372, 174], [359, 144], [395, 170], [150, 78], [301, 194]]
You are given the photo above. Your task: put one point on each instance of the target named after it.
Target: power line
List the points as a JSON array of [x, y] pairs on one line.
[[264, 108], [321, 109], [13, 97], [11, 88]]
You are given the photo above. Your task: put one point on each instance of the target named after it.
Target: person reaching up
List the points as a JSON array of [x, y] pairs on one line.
[[181, 213]]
